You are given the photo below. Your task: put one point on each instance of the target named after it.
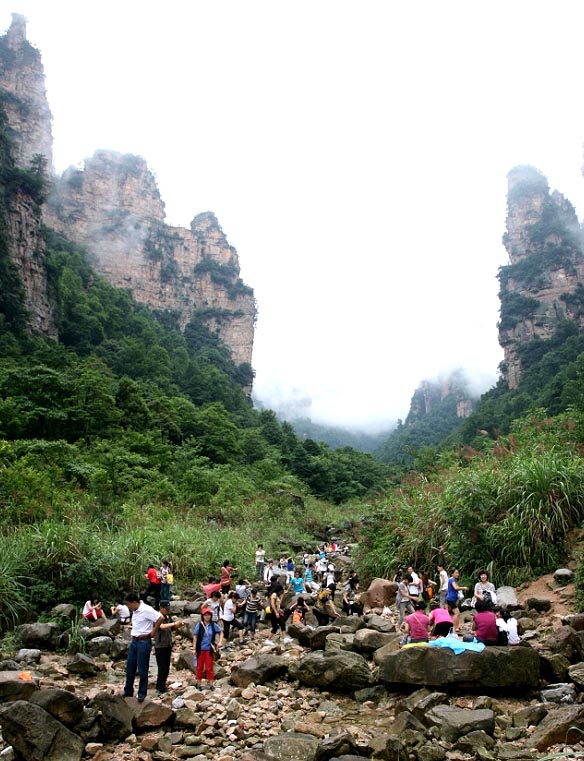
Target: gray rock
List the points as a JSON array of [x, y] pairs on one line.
[[348, 624], [530, 715], [99, 646], [115, 716], [391, 647], [336, 671], [43, 636], [110, 627], [336, 641], [259, 670], [559, 693], [567, 642], [28, 655], [576, 674], [555, 728], [380, 624], [564, 575], [82, 665], [336, 745], [119, 649], [369, 640], [13, 687], [507, 598], [36, 735], [291, 746], [64, 610], [314, 638], [473, 740], [541, 604], [508, 669], [553, 667], [65, 706], [9, 665], [453, 722]]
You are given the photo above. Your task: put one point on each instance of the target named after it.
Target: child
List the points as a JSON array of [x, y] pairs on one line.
[[204, 646]]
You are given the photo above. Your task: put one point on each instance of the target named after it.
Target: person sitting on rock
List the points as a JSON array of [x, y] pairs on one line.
[[299, 611], [484, 624], [508, 624], [309, 581], [351, 602], [416, 625], [93, 609], [296, 584], [324, 607], [121, 611]]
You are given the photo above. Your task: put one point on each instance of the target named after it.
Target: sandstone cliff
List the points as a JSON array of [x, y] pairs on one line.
[[541, 288], [113, 208], [447, 393]]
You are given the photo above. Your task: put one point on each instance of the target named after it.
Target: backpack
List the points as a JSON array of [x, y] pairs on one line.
[[502, 638], [297, 616]]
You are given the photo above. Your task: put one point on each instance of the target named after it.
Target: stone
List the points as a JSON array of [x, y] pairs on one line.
[[391, 647], [336, 671], [453, 722], [559, 693], [28, 655], [380, 594], [336, 641], [82, 665], [564, 575], [529, 715], [38, 736], [506, 669], [555, 727], [507, 598], [259, 670], [314, 638], [553, 667], [476, 739], [64, 610], [185, 660], [15, 686], [335, 746], [151, 714], [43, 636], [380, 624], [541, 604], [115, 716], [99, 646], [291, 746], [65, 706], [369, 640], [565, 641], [576, 674], [109, 627]]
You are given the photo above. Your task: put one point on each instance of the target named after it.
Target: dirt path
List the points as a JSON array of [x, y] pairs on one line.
[[563, 599]]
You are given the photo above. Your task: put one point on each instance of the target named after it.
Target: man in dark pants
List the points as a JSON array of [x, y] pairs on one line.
[[145, 624], [163, 646]]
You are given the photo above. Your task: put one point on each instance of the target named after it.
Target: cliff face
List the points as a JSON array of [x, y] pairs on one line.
[[541, 287], [450, 392], [27, 121], [113, 208]]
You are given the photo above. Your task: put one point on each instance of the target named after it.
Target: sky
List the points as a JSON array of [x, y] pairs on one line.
[[355, 154]]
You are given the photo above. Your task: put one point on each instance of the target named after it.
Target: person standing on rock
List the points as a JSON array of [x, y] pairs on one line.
[[454, 594], [163, 646], [145, 624], [403, 600], [205, 646], [152, 576], [442, 585], [260, 559]]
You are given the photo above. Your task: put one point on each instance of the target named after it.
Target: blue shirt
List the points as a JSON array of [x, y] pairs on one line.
[[452, 595], [207, 634], [297, 584]]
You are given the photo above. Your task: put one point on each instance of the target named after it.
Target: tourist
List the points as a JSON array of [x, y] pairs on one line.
[[427, 587], [163, 646], [213, 603], [442, 584], [454, 594], [351, 604], [309, 581], [508, 624], [93, 609], [298, 612], [205, 647], [260, 559], [276, 614], [270, 572], [121, 611], [403, 600], [296, 584], [166, 580], [484, 590], [484, 624], [250, 615], [289, 570], [324, 607], [145, 624], [416, 625], [227, 573], [228, 616], [153, 578], [441, 619], [213, 585], [242, 588], [415, 586]]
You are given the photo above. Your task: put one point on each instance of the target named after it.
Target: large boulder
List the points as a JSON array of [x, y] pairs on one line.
[[335, 670], [43, 636], [65, 706], [82, 665], [566, 642], [560, 725], [35, 735], [17, 685], [369, 640], [115, 716], [380, 593], [99, 646], [506, 669], [379, 623], [507, 598], [452, 722], [259, 670], [312, 637], [291, 746], [108, 627]]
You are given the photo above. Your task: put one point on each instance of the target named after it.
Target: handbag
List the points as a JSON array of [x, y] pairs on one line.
[[169, 578], [268, 610], [460, 594]]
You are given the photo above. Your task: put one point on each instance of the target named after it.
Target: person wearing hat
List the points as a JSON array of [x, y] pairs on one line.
[[163, 646], [205, 646], [145, 624]]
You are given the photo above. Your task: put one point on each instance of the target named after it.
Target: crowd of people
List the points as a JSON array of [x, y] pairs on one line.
[[285, 592]]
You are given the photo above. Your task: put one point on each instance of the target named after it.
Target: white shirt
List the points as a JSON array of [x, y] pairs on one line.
[[228, 613], [144, 619], [260, 556], [123, 612], [443, 581]]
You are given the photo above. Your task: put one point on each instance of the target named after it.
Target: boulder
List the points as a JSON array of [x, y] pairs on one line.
[[506, 669], [564, 692], [16, 686], [553, 667], [380, 624], [312, 637], [115, 716], [340, 642], [541, 604], [151, 715], [381, 593], [567, 642], [291, 746], [564, 575], [82, 665], [43, 636], [453, 722], [576, 621], [369, 640], [28, 655], [507, 598], [336, 746], [185, 660], [421, 701], [559, 726], [338, 671], [530, 715], [65, 706], [35, 735], [109, 627], [119, 649], [65, 611], [349, 624], [576, 674], [259, 670], [99, 646], [391, 647]]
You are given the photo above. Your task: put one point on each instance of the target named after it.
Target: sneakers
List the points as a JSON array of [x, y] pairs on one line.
[[287, 640], [268, 642]]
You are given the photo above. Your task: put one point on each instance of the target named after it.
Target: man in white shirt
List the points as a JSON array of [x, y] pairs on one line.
[[145, 623]]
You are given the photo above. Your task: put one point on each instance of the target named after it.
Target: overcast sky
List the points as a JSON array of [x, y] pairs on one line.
[[355, 154]]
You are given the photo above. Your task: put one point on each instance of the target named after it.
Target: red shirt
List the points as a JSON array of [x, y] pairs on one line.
[[485, 626], [418, 623], [152, 575]]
